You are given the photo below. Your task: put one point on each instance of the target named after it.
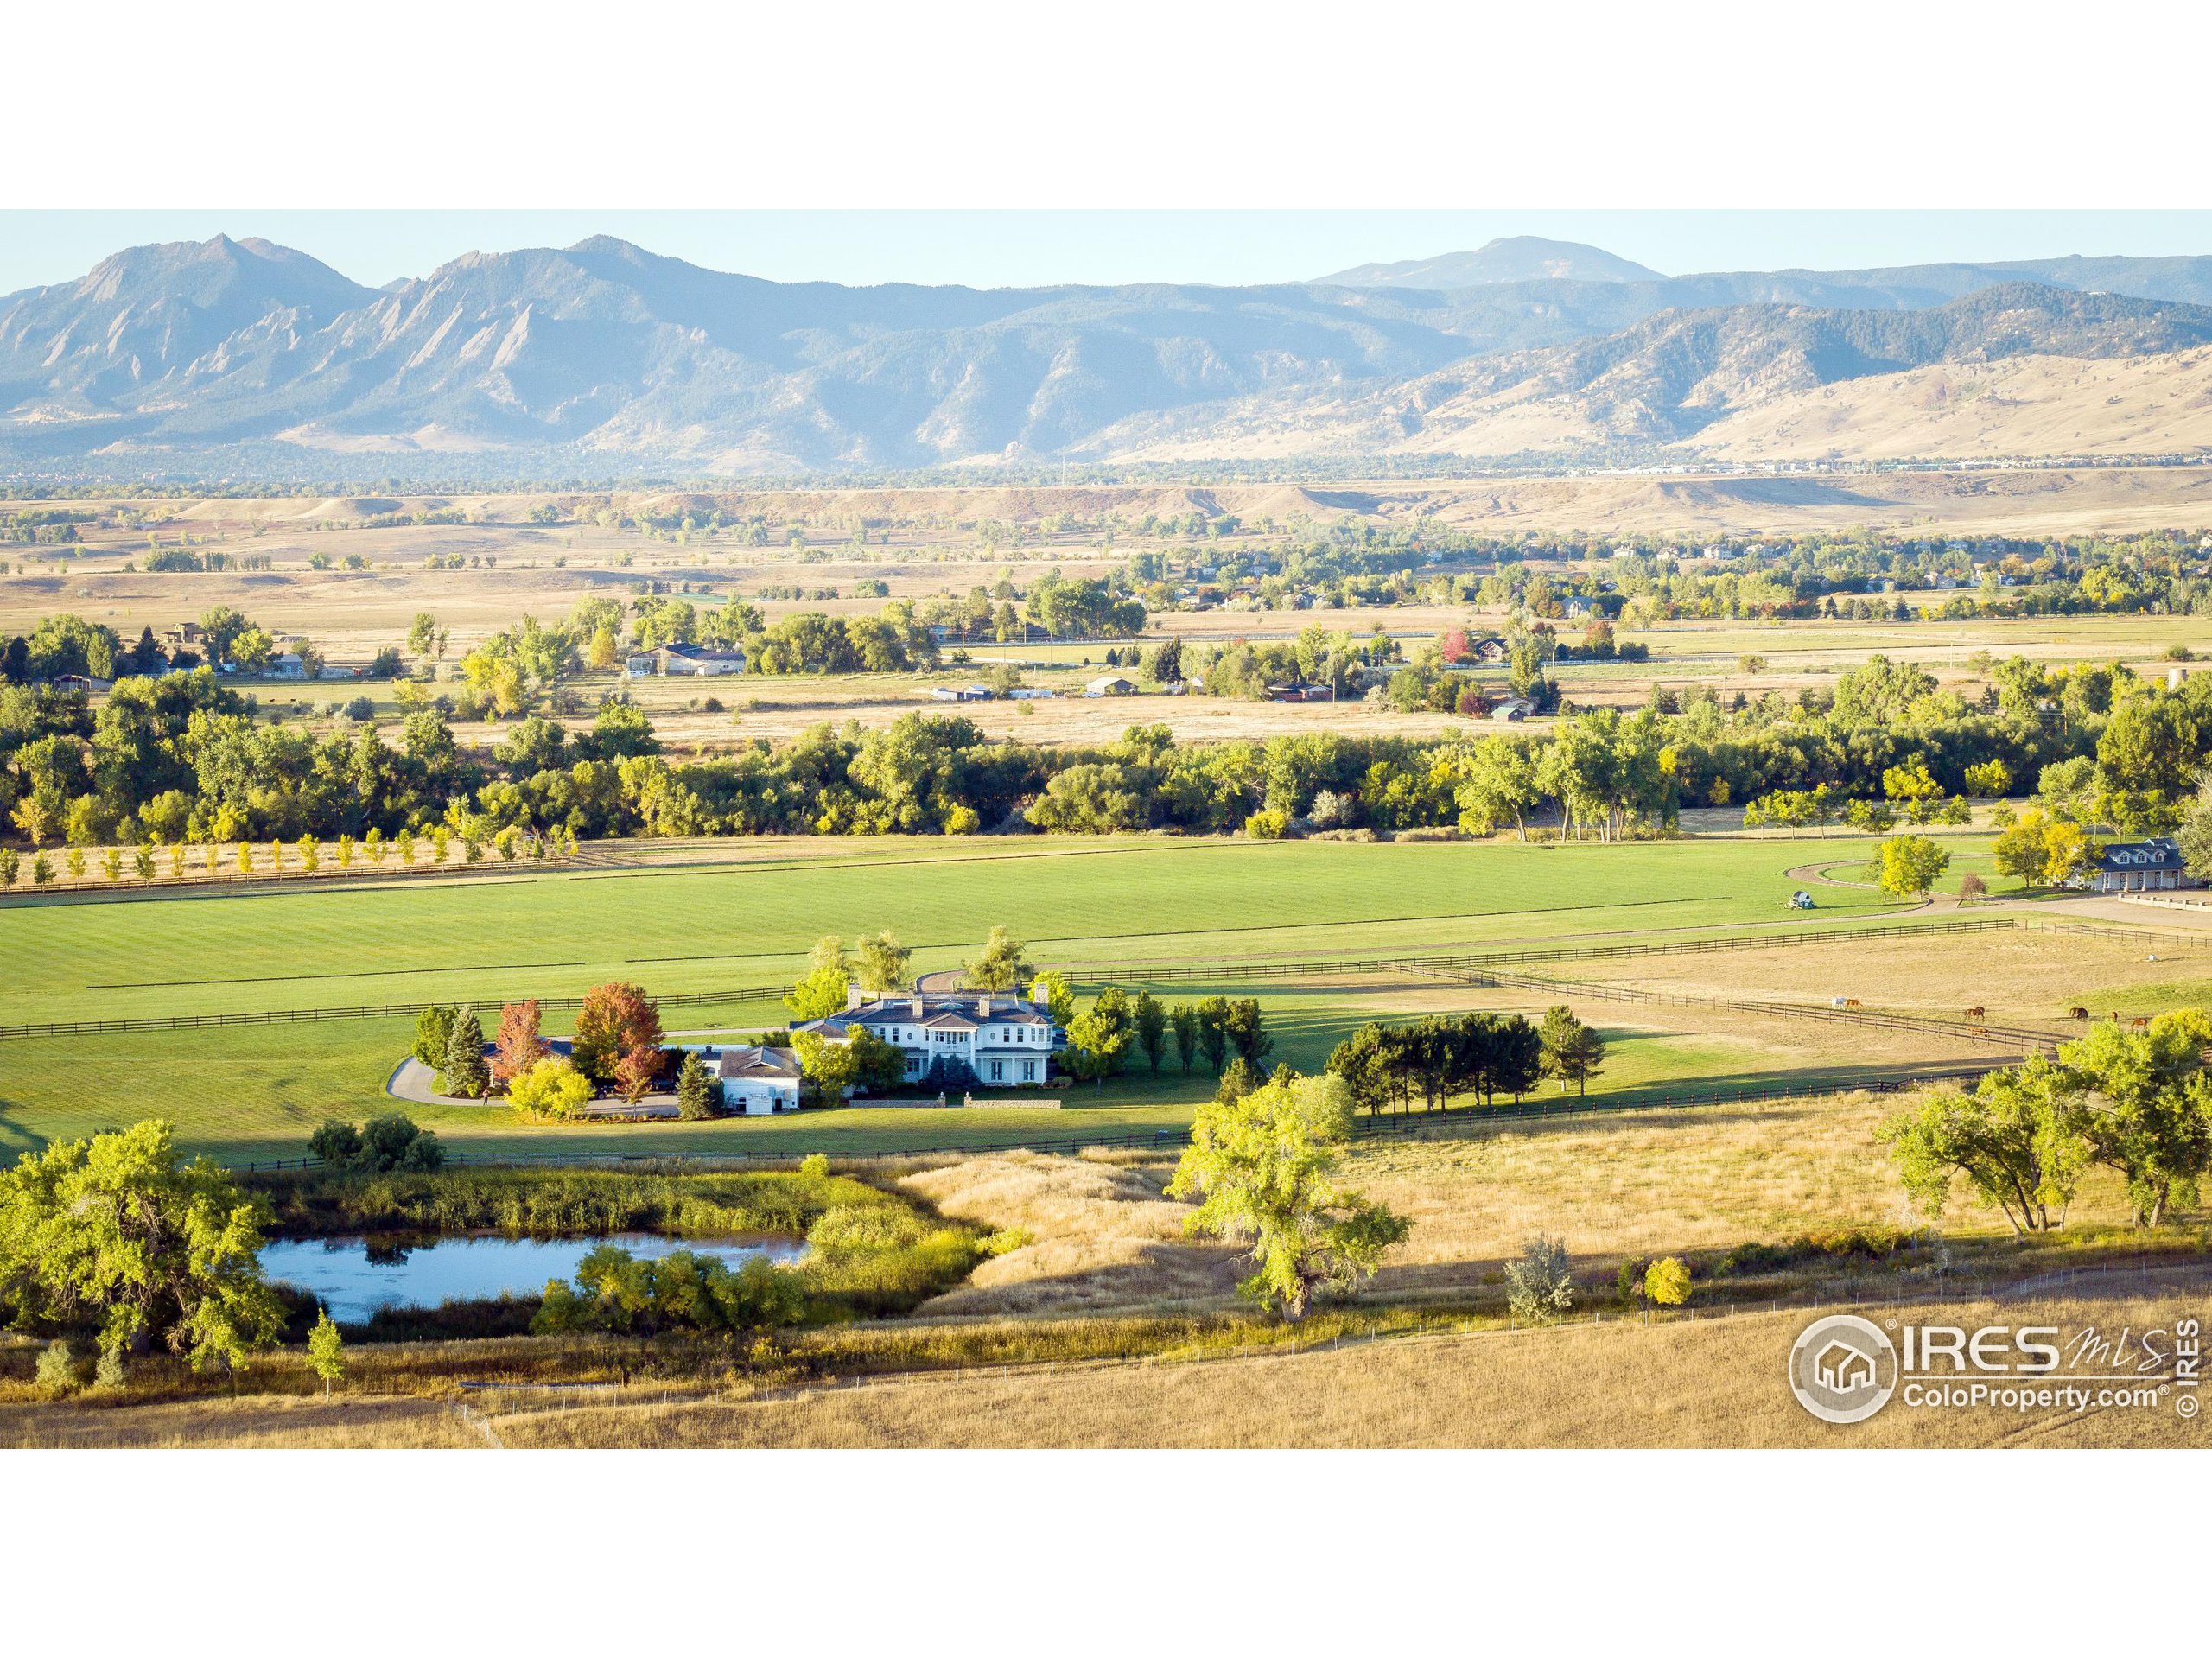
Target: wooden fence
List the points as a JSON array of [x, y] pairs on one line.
[[1400, 1125]]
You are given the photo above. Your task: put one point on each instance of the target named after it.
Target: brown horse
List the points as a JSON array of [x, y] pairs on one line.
[[2138, 1023], [2080, 1013], [1976, 1014]]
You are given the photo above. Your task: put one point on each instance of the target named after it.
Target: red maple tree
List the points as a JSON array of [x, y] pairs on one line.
[[519, 1047]]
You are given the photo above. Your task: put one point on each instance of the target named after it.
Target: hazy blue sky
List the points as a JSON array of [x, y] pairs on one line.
[[1013, 247]]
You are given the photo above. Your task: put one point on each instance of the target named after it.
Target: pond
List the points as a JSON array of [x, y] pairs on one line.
[[354, 1276]]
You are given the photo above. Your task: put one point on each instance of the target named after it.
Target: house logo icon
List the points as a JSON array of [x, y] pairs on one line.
[[1843, 1368]]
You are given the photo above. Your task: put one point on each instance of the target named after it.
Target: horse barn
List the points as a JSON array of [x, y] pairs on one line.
[[2152, 866]]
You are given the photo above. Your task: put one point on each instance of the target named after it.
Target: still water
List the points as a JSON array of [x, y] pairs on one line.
[[354, 1276]]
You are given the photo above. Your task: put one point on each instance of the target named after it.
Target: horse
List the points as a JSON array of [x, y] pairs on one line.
[[1976, 1014], [2140, 1022], [2080, 1013]]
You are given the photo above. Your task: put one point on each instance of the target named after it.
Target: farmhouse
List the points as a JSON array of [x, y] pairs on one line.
[[683, 659], [1512, 709], [2140, 867], [991, 1038], [1110, 685]]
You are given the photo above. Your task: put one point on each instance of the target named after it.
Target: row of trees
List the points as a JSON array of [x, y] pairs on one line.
[[1432, 1060], [184, 758], [2136, 1103]]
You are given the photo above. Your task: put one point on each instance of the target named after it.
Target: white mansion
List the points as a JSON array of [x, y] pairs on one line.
[[997, 1039]]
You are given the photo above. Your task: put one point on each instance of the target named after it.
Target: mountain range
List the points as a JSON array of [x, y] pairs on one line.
[[243, 357]]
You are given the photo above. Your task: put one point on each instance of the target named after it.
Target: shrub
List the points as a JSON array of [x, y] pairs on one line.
[[110, 1373], [815, 1166], [1539, 1286], [57, 1368], [391, 1142], [1268, 824]]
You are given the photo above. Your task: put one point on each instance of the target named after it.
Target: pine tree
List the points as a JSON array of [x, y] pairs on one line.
[[465, 1073], [692, 1093]]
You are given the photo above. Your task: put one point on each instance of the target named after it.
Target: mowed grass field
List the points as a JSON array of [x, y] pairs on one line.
[[255, 1091]]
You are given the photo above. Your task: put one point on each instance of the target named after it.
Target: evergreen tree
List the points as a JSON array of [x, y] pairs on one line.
[[693, 1098], [465, 1073]]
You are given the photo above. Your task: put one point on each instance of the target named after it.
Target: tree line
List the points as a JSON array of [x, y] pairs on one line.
[[1389, 1068]]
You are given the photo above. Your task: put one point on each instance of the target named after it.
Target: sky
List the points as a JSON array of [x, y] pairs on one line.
[[1013, 247]]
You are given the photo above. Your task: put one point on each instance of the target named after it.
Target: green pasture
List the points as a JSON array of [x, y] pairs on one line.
[[257, 1091], [719, 925]]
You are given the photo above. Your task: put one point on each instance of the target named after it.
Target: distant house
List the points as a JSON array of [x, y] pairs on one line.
[[683, 659], [1511, 709], [185, 633], [702, 660], [1110, 685], [1302, 693], [88, 683], [337, 671], [1032, 693], [285, 666], [2152, 866], [1000, 1041], [961, 693], [1488, 649]]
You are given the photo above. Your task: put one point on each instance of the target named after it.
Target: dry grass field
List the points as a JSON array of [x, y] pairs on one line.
[[1681, 1381], [2031, 979]]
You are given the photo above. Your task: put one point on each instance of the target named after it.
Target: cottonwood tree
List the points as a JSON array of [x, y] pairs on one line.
[[2146, 1111], [863, 1062], [821, 991], [121, 1236], [1213, 1033], [2015, 1139], [1908, 866], [1050, 991], [1000, 966], [883, 962], [1261, 1169]]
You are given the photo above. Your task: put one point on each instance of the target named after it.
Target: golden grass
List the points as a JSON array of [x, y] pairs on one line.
[[252, 1422], [1708, 1382], [1103, 1236], [2019, 977]]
